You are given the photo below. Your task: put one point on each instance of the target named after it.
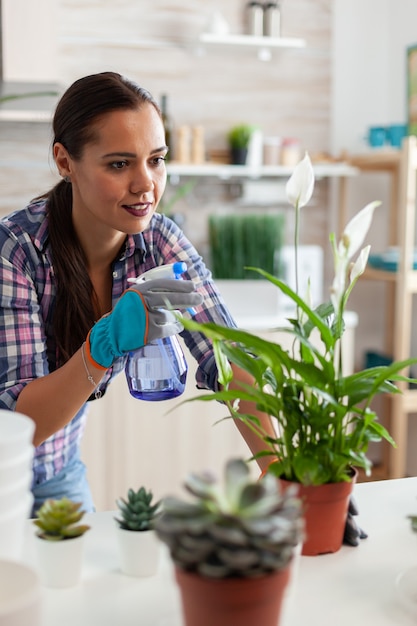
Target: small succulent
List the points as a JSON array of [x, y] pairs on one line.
[[137, 512], [245, 528], [58, 520]]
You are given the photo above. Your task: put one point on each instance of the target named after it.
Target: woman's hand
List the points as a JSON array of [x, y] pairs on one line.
[[140, 316]]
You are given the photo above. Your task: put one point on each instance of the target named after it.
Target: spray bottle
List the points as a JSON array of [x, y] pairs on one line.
[[158, 371]]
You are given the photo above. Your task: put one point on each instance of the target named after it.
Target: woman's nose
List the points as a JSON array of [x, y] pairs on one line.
[[141, 181]]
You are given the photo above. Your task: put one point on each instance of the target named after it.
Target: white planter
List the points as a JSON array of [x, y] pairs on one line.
[[16, 434], [138, 552], [60, 562], [12, 528]]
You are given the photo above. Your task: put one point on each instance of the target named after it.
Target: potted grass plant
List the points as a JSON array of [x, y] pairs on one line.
[[323, 418], [60, 542], [238, 138], [138, 544], [232, 545]]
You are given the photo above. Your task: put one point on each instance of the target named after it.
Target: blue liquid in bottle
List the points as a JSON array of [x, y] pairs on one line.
[[158, 371]]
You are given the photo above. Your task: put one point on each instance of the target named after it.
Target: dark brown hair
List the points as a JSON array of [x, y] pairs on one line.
[[80, 106]]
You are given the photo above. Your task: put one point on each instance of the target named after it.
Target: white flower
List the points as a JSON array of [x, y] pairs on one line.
[[359, 266], [300, 185], [356, 230], [350, 242]]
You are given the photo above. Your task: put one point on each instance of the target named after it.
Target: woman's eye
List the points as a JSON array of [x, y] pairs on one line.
[[159, 160], [118, 165]]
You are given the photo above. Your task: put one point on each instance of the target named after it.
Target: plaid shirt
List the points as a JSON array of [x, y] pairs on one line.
[[27, 299]]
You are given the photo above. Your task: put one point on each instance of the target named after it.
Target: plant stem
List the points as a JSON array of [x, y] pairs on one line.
[[296, 242]]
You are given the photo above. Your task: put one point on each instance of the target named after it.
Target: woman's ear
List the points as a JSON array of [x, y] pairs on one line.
[[62, 159]]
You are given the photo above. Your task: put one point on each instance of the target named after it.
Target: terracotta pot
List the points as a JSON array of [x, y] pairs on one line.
[[325, 512], [232, 601]]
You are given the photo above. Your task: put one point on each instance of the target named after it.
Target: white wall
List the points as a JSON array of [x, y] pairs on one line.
[[29, 31], [369, 67]]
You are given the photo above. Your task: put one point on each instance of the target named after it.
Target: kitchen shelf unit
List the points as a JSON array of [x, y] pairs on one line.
[[35, 101], [401, 166], [263, 45]]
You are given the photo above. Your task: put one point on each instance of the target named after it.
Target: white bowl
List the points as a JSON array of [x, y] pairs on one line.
[[14, 469], [16, 433], [12, 528], [12, 494], [20, 595], [406, 584]]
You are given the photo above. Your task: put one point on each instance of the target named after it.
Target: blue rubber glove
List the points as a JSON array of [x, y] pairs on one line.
[[139, 317]]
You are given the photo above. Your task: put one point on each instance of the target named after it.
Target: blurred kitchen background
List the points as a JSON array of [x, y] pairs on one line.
[[340, 69]]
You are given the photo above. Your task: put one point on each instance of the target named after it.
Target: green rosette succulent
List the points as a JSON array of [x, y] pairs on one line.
[[137, 512], [245, 528], [57, 520]]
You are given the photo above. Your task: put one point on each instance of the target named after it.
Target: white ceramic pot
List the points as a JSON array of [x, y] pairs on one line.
[[16, 433], [12, 470], [60, 562], [138, 552], [12, 527], [12, 494], [20, 595]]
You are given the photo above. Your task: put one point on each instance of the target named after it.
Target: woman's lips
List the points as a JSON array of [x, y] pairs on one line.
[[138, 210]]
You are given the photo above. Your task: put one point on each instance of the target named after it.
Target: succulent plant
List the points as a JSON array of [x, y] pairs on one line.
[[137, 512], [58, 520], [244, 529]]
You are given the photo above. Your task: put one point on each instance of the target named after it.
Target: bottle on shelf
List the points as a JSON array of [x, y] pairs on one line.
[[197, 145], [183, 144], [272, 19], [290, 152], [168, 125], [158, 371], [255, 18]]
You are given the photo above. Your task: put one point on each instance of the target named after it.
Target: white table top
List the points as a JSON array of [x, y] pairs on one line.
[[354, 587]]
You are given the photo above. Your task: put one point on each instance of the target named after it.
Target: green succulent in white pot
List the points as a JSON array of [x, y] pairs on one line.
[[138, 511], [138, 544], [323, 418], [58, 520], [230, 534], [60, 542]]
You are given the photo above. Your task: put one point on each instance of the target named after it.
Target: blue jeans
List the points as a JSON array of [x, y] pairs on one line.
[[71, 482]]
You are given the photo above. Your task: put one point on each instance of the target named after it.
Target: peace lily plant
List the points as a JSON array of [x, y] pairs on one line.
[[323, 419]]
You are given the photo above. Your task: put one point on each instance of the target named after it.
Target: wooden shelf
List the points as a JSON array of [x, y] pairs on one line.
[[372, 273], [376, 161], [401, 165]]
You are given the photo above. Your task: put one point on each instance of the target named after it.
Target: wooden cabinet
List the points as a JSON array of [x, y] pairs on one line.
[[401, 286]]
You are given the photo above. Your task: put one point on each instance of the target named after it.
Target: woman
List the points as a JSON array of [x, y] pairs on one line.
[[67, 315]]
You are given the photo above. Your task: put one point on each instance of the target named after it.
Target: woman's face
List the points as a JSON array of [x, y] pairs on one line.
[[119, 180]]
